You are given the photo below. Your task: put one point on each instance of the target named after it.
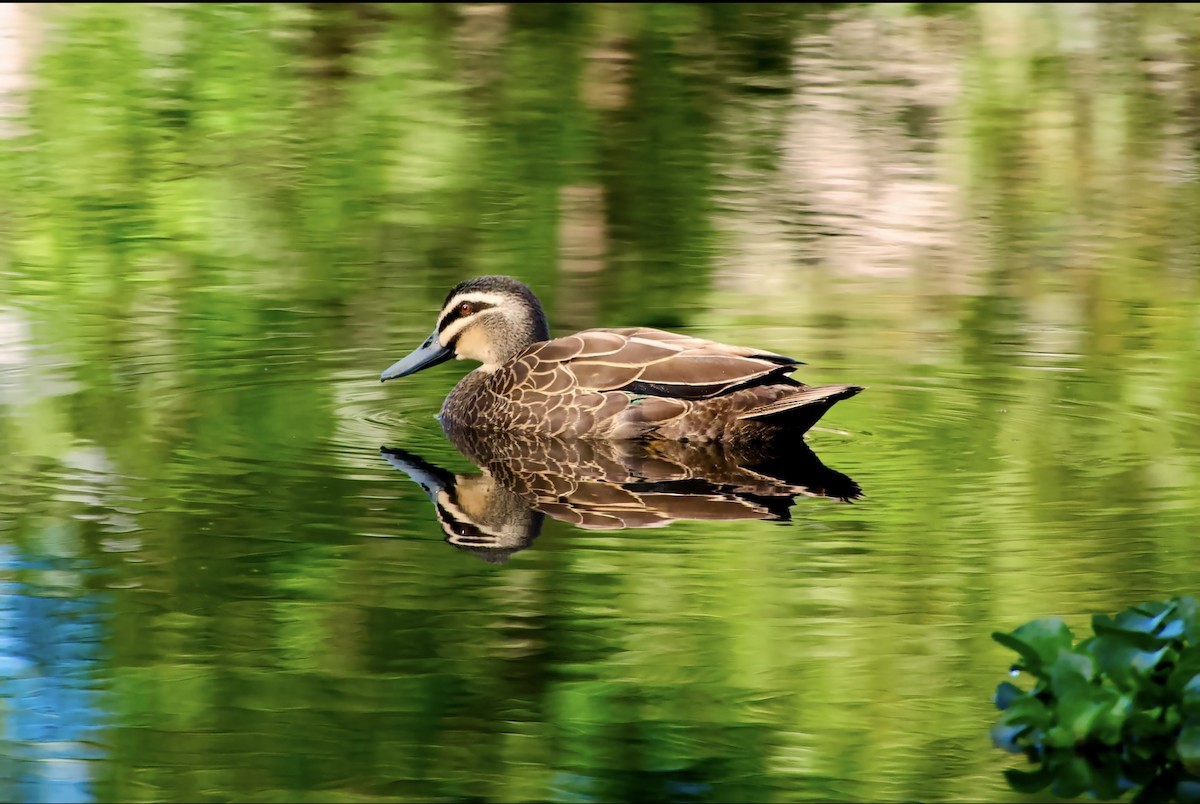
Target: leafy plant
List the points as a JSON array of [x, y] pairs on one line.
[[1118, 711]]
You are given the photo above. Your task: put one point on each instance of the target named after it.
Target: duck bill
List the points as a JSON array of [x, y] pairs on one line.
[[427, 354], [433, 479]]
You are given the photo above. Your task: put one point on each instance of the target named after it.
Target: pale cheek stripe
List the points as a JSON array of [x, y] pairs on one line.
[[446, 336]]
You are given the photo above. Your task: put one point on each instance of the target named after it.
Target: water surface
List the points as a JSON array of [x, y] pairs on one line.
[[222, 221]]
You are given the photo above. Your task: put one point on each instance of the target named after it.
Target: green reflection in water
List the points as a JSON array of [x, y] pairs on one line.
[[221, 221]]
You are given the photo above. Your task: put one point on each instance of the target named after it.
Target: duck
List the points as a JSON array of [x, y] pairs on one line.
[[632, 383]]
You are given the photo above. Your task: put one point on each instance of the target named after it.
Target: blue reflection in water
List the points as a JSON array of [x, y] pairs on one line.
[[51, 642]]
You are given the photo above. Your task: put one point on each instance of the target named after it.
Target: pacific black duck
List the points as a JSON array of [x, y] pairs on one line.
[[632, 383]]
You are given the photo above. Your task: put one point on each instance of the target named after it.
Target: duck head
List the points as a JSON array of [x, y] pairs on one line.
[[491, 319]]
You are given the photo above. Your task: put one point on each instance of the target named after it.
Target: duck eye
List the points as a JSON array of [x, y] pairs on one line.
[[466, 308]]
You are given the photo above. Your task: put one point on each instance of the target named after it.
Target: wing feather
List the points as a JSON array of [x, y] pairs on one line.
[[651, 362]]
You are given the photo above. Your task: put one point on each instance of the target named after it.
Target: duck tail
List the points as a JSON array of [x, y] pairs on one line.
[[802, 409]]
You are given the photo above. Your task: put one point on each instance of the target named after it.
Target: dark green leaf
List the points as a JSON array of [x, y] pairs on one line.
[[1187, 667], [1008, 693], [1076, 713], [1033, 661], [1029, 781], [1143, 619], [1159, 789], [1139, 770], [1107, 722], [1153, 608], [1189, 697], [1188, 612], [1145, 726], [1074, 777], [1028, 711], [1070, 668], [1038, 642], [1007, 737], [1143, 640], [1060, 736], [1123, 661], [1188, 748], [1106, 780], [1171, 629]]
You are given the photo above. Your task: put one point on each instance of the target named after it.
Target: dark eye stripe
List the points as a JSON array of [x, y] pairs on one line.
[[456, 313]]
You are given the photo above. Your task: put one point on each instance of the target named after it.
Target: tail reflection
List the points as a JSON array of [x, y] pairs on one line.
[[609, 485]]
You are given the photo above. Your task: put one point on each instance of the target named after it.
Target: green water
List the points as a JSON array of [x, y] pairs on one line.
[[219, 223]]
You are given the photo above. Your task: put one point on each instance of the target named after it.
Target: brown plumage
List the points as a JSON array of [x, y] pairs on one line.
[[632, 383], [608, 485]]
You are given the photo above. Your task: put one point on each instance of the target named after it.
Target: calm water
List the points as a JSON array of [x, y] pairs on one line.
[[219, 223]]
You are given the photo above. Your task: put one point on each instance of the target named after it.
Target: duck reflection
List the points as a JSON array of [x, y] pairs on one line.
[[610, 485]]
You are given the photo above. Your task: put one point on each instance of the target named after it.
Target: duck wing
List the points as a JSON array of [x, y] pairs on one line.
[[655, 363]]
